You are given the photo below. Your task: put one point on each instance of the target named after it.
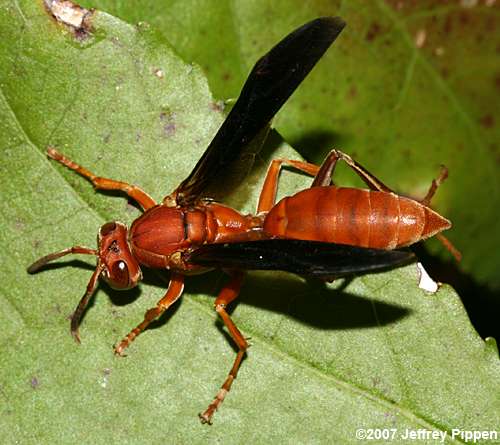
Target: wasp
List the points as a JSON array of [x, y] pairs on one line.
[[323, 231]]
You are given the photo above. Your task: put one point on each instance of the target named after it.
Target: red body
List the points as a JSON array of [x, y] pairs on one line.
[[357, 217], [351, 216], [158, 237]]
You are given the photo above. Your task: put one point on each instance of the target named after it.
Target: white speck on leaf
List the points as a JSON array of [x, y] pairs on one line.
[[468, 3], [67, 12], [439, 51], [420, 38], [426, 282]]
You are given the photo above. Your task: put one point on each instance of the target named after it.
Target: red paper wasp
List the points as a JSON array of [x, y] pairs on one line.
[[323, 231]]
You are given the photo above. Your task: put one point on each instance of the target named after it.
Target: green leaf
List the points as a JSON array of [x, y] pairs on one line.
[[377, 352], [408, 86]]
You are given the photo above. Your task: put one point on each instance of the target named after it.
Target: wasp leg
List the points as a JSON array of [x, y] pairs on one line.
[[267, 197], [373, 182], [229, 293], [370, 180], [80, 309], [174, 291], [134, 192], [443, 174]]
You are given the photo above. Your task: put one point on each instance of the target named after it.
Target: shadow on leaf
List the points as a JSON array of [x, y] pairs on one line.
[[309, 301]]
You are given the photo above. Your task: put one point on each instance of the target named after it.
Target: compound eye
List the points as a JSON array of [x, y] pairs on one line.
[[119, 276]]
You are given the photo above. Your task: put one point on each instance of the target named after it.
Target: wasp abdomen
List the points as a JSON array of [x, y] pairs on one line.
[[352, 216]]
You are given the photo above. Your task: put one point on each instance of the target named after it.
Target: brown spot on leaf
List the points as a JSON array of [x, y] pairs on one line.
[[398, 5], [352, 92], [487, 121], [76, 18], [497, 80], [448, 24], [406, 152], [226, 76], [373, 31], [169, 126], [491, 24], [217, 106], [464, 18]]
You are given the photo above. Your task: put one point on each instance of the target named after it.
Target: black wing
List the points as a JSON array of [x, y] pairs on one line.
[[301, 257], [270, 83]]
